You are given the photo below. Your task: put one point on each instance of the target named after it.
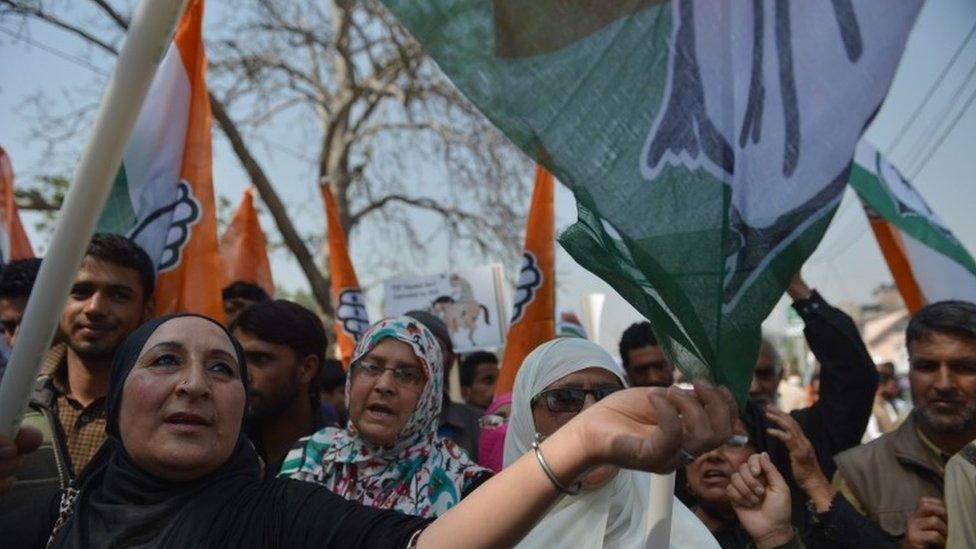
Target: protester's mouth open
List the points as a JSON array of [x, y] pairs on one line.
[[380, 411], [187, 422], [715, 477]]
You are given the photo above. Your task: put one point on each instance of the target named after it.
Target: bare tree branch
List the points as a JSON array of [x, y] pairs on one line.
[[378, 123], [39, 13]]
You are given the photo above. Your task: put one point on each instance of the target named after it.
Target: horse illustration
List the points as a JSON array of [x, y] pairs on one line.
[[458, 315]]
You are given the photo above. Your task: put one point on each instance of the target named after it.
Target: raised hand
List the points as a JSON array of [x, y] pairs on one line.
[[927, 527], [12, 454], [803, 460], [761, 500], [646, 428]]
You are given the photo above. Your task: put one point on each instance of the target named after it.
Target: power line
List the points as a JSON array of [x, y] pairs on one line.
[[942, 138], [931, 91], [81, 62], [923, 142]]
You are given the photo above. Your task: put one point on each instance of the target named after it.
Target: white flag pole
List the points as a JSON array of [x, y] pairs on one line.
[[149, 36], [660, 505]]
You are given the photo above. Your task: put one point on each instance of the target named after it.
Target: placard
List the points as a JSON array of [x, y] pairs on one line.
[[469, 301]]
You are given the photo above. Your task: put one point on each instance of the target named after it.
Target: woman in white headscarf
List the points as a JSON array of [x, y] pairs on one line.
[[555, 382]]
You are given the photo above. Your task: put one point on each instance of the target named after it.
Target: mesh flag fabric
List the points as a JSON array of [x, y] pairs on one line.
[[707, 142]]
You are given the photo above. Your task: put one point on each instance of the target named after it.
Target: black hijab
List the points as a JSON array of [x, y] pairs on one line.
[[120, 505]]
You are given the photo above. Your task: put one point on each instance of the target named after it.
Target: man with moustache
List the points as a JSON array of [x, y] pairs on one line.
[[284, 348], [110, 297], [897, 480]]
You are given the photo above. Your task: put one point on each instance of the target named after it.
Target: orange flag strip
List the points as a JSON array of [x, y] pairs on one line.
[[14, 243], [893, 248], [348, 305], [194, 284], [244, 249], [533, 311]]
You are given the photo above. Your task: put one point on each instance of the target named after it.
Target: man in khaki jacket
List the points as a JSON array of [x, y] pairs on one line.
[[897, 480]]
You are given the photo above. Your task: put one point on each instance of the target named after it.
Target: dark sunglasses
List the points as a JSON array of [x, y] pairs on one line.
[[571, 399]]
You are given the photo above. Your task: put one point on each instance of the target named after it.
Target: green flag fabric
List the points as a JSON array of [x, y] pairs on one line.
[[707, 143]]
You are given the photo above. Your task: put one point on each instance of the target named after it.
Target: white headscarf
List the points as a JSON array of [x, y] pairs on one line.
[[614, 515]]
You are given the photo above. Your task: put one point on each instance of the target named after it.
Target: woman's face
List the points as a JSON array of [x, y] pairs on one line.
[[183, 402], [709, 475], [386, 385], [546, 421]]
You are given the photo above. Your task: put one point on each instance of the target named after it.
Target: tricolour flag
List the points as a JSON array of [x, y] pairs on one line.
[[348, 305], [568, 324], [926, 260], [707, 142], [532, 322], [244, 249], [163, 195], [14, 243]]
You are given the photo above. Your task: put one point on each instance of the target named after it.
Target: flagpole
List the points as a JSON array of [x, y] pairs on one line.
[[149, 36], [660, 506]]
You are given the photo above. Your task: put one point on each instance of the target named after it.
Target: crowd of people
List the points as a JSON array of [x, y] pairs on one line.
[[181, 431]]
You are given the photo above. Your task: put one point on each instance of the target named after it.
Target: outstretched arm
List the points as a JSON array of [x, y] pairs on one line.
[[848, 378], [641, 428]]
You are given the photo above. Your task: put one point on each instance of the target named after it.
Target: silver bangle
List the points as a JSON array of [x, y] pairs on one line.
[[573, 490]]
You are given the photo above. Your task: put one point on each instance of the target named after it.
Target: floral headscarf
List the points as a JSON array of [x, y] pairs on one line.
[[420, 474]]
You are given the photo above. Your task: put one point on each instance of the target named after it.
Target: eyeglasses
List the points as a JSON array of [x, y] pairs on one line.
[[492, 421], [571, 399], [407, 377], [737, 442]]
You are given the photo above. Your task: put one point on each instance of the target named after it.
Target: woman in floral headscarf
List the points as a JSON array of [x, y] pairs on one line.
[[389, 456]]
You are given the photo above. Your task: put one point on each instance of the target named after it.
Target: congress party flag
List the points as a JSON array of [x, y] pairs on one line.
[[707, 142], [927, 261], [568, 324], [532, 322], [348, 304], [163, 194], [14, 243], [244, 249]]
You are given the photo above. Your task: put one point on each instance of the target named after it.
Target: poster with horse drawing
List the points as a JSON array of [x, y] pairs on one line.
[[469, 301]]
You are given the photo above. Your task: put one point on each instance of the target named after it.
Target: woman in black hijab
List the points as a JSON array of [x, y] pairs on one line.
[[188, 369], [177, 471]]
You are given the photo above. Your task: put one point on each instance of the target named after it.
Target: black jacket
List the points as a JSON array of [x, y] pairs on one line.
[[836, 422]]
